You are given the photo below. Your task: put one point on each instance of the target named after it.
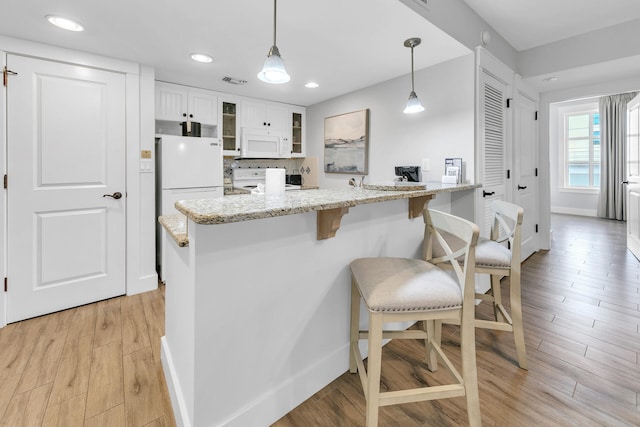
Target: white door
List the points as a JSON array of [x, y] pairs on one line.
[[633, 176], [493, 136], [525, 182], [66, 153]]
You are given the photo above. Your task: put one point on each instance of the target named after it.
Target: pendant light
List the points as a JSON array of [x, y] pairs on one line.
[[273, 70], [413, 104]]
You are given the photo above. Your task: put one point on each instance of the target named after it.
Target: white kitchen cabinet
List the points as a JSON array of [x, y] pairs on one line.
[[262, 114], [178, 103]]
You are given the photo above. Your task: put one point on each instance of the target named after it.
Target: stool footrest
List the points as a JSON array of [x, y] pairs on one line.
[[421, 394]]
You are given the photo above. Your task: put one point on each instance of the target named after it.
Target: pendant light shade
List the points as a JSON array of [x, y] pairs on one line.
[[273, 71], [413, 104]]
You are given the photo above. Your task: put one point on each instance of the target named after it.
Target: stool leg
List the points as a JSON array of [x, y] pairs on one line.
[[374, 364], [516, 315], [496, 291], [469, 372], [432, 358], [355, 326]]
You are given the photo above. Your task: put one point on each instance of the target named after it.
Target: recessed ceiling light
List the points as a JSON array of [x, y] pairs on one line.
[[311, 85], [64, 23], [201, 57], [550, 79]]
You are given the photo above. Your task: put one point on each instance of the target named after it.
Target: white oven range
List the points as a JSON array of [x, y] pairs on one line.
[[249, 178]]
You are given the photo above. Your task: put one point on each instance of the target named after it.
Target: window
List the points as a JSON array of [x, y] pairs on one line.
[[582, 149]]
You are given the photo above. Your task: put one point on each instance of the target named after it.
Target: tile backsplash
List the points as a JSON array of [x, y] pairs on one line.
[[307, 167]]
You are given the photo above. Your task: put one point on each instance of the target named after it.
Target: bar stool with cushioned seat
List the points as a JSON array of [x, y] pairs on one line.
[[497, 260], [405, 289]]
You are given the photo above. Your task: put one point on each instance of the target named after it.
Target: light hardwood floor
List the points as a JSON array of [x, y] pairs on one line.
[[95, 365], [99, 365]]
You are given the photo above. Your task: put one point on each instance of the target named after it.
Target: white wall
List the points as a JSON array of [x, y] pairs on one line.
[[444, 129], [548, 146]]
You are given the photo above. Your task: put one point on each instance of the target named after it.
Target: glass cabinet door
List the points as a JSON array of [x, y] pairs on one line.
[[229, 137], [296, 133]]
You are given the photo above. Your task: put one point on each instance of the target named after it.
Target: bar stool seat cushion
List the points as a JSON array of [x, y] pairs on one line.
[[490, 253], [405, 285]]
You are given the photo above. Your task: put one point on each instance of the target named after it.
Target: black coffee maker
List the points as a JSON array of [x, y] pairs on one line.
[[409, 173]]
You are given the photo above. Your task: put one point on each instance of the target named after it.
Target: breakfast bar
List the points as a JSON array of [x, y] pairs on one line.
[[257, 292]]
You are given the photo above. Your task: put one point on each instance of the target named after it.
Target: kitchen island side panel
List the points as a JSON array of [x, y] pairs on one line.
[[178, 344], [272, 307]]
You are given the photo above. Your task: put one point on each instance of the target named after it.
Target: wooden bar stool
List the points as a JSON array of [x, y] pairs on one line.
[[405, 289], [497, 260]]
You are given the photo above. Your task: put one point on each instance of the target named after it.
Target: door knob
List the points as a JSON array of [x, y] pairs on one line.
[[520, 187], [487, 193], [115, 195]]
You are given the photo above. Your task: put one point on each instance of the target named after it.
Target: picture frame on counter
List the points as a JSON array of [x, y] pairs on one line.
[[346, 143]]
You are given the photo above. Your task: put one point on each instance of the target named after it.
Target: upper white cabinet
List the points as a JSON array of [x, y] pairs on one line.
[[262, 114], [182, 103]]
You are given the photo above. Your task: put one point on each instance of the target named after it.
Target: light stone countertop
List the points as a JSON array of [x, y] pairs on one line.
[[176, 226], [250, 207]]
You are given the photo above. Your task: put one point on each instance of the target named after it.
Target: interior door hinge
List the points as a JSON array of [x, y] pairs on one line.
[[535, 116], [5, 75], [5, 284], [536, 171], [508, 173], [536, 228], [508, 102], [6, 182]]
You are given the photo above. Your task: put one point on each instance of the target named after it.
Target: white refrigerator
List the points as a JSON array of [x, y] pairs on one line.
[[186, 168]]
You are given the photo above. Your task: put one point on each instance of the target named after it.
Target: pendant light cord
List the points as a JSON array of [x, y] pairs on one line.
[[275, 8], [412, 88]]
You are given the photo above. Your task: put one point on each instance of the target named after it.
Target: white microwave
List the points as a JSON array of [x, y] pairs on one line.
[[263, 144]]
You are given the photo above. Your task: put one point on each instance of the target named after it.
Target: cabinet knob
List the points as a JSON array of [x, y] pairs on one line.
[[268, 124], [191, 116], [264, 123], [184, 114]]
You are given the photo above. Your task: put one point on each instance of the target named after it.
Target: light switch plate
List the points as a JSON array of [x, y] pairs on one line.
[[425, 165]]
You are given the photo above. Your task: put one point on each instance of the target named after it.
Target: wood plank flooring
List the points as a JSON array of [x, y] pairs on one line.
[[99, 365], [95, 365]]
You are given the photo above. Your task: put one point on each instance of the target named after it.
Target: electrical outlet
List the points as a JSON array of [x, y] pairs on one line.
[[425, 165]]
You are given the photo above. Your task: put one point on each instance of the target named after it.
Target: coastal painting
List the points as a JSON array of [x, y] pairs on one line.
[[346, 140]]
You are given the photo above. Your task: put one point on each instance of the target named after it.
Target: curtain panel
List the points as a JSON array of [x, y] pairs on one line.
[[613, 155]]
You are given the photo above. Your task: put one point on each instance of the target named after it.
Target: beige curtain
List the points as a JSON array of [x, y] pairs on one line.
[[613, 155]]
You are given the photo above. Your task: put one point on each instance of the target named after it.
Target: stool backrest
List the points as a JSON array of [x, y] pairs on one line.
[[438, 223], [507, 219]]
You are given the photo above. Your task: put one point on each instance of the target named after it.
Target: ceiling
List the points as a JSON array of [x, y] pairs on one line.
[[342, 45], [530, 23]]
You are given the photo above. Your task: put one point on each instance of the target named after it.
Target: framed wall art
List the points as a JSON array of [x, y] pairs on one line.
[[346, 143]]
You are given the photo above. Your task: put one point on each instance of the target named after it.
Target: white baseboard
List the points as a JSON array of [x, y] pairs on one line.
[[271, 406], [574, 211], [278, 402], [173, 385]]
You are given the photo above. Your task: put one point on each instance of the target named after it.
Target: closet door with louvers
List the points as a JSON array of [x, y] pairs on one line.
[[493, 149]]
